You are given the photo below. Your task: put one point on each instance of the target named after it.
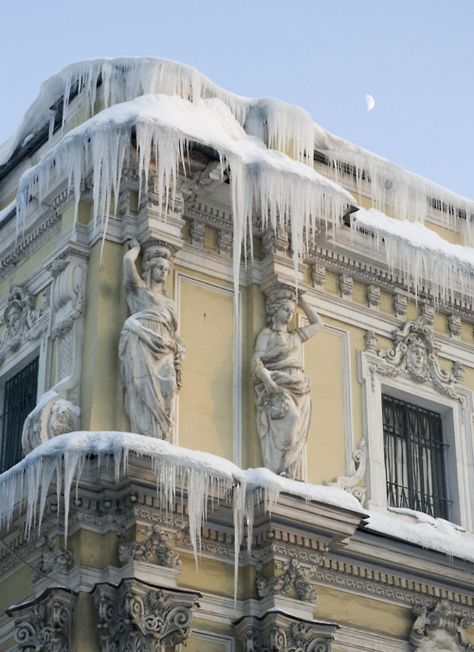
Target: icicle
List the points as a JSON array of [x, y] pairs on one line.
[[421, 258]]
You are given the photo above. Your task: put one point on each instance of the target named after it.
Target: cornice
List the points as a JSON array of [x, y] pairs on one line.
[[368, 270]]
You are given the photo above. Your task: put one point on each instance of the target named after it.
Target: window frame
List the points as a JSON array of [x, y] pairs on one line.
[[457, 432], [13, 365]]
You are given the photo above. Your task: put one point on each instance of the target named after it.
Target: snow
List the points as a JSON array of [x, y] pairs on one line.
[[126, 78], [165, 126], [419, 255], [204, 477], [102, 83], [387, 184], [425, 531]]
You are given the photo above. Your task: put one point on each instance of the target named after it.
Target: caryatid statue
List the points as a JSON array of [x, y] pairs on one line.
[[150, 350], [282, 391]]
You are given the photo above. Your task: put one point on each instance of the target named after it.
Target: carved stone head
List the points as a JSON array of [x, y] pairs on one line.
[[156, 261], [280, 305], [416, 357]]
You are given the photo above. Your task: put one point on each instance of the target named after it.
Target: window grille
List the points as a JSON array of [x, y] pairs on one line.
[[414, 457], [19, 399]]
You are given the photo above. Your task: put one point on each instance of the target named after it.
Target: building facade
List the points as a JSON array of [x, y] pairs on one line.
[[113, 541]]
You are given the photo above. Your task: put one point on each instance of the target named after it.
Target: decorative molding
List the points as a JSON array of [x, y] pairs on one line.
[[224, 242], [454, 326], [137, 616], [415, 353], [32, 240], [278, 632], [346, 286], [44, 623], [292, 580], [52, 559], [318, 276], [352, 483], [346, 259], [153, 549], [275, 241], [400, 305], [22, 322], [428, 313], [439, 628], [197, 231], [373, 296]]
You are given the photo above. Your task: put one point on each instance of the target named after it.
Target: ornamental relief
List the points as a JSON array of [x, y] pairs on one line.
[[22, 322], [416, 355], [439, 628]]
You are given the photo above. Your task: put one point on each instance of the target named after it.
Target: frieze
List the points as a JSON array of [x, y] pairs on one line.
[[31, 241], [353, 577], [370, 272]]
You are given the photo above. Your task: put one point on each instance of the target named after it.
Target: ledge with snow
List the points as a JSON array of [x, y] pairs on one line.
[[201, 481]]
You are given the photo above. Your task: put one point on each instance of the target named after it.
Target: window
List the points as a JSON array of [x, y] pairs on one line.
[[414, 457], [19, 398]]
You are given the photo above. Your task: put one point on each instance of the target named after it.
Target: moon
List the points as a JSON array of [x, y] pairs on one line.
[[369, 102]]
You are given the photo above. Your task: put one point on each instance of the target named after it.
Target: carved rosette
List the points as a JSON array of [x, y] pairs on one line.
[[415, 353], [439, 628], [137, 616], [279, 632], [45, 623]]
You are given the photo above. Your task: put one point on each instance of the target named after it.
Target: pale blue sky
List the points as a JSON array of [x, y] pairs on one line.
[[414, 56]]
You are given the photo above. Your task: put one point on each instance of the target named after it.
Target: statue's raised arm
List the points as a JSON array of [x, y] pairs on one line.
[[149, 349], [282, 391]]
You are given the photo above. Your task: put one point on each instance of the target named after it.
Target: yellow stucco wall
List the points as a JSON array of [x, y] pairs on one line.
[[205, 401]]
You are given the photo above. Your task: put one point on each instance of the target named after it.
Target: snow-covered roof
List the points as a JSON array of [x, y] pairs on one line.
[[268, 145], [418, 254]]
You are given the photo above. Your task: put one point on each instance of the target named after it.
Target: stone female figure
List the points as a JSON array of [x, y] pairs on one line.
[[282, 391], [149, 349]]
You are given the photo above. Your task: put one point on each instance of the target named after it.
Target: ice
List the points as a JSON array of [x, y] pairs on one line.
[[111, 81], [285, 192], [418, 255], [268, 145], [390, 187], [205, 478]]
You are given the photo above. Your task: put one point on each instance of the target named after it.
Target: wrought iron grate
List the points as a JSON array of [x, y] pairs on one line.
[[18, 401], [414, 457]]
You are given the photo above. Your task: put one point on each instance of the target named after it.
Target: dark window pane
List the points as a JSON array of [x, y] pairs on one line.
[[19, 400], [414, 457]]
